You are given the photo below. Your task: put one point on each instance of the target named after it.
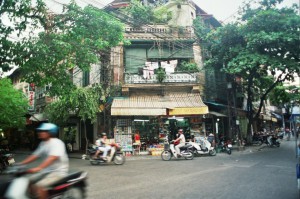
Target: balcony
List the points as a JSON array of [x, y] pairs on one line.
[[163, 31], [170, 78]]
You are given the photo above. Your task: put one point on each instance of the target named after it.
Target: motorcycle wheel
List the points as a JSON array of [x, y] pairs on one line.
[[93, 162], [228, 151], [74, 193], [119, 159], [166, 155], [190, 155], [213, 152]]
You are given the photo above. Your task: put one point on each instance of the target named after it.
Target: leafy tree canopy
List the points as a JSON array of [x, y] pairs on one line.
[[82, 102], [13, 106], [75, 38], [17, 17], [141, 14], [265, 42]]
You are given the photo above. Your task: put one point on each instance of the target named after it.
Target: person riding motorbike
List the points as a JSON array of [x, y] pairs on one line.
[[181, 140], [102, 146], [55, 164]]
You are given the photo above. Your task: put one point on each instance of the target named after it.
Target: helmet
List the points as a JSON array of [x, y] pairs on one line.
[[103, 134], [180, 130], [49, 127]]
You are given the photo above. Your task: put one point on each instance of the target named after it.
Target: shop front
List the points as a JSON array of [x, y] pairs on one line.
[[154, 118]]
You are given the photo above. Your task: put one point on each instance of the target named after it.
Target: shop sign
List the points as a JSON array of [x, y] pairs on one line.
[[189, 111]]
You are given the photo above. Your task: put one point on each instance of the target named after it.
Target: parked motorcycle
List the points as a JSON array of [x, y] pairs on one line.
[[225, 146], [15, 185], [6, 159], [169, 151], [202, 147], [114, 155], [272, 140], [257, 139]]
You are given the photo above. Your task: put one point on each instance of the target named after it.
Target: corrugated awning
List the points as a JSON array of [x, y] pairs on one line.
[[170, 104]]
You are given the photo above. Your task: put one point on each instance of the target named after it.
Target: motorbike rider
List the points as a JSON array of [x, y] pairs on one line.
[[102, 146], [55, 164], [181, 140]]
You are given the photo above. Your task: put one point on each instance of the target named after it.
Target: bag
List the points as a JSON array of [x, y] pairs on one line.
[[177, 142]]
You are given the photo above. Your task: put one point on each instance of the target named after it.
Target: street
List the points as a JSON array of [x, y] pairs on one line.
[[250, 174]]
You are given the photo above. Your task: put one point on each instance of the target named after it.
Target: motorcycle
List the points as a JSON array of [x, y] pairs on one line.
[[272, 140], [169, 151], [114, 155], [257, 139], [15, 185], [6, 159], [203, 147], [225, 146]]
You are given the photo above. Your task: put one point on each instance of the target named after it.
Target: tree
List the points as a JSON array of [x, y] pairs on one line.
[[82, 102], [262, 49], [17, 18], [76, 38], [13, 106]]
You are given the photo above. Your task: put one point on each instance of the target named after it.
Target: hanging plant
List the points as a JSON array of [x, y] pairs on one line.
[[160, 74]]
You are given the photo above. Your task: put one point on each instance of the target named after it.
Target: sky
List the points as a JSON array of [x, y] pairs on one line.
[[226, 10]]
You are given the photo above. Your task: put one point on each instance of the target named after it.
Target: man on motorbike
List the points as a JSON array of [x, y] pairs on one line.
[[102, 146], [55, 164], [181, 140]]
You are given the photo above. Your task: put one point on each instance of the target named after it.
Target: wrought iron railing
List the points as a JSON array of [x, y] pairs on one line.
[[170, 78]]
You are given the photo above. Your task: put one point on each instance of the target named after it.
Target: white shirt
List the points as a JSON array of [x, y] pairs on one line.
[[182, 139], [54, 147]]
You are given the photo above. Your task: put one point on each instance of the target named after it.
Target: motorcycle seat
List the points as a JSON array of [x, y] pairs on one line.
[[71, 175], [185, 146]]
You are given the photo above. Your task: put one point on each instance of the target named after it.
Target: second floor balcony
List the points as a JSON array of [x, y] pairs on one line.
[[182, 77]]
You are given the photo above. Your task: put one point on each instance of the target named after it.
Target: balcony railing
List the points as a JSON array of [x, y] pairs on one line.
[[163, 30], [170, 78]]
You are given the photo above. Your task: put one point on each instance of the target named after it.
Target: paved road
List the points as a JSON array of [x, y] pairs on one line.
[[250, 174]]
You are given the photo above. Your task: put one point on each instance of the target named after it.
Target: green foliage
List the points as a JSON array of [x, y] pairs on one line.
[[18, 17], [139, 13], [76, 38], [201, 29], [282, 95], [162, 15], [266, 41], [82, 102], [160, 74], [188, 67], [13, 106], [146, 14]]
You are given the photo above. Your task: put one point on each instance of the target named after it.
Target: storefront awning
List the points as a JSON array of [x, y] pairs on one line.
[[38, 117], [170, 104], [217, 114]]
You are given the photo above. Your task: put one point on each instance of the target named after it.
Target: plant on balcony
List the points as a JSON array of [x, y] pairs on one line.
[[188, 67], [160, 74]]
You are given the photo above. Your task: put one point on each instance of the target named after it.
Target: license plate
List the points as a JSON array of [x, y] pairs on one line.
[[229, 145], [11, 161]]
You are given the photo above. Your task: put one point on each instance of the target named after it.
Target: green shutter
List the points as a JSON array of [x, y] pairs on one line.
[[185, 51], [134, 58]]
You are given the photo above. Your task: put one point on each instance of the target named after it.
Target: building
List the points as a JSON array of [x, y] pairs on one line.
[[159, 95]]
